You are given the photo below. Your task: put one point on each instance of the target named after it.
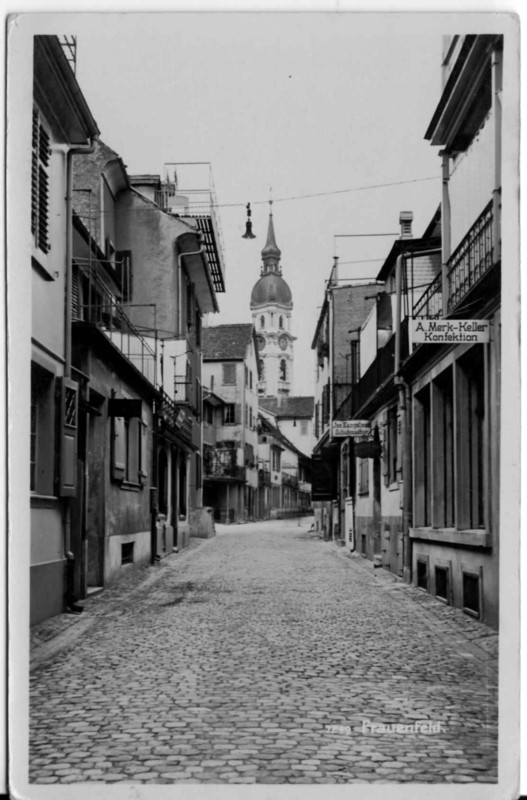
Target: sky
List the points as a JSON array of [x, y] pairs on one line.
[[282, 105]]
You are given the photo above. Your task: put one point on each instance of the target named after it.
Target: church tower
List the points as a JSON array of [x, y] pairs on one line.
[[271, 307]]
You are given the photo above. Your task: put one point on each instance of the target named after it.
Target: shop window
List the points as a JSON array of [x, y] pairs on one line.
[[42, 431], [471, 416], [443, 456], [127, 553], [471, 594], [422, 573], [229, 373], [422, 458]]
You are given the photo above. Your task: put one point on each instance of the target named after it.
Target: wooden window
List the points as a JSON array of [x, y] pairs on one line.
[[40, 158], [364, 476], [123, 266], [275, 459], [42, 431], [355, 361], [229, 373], [229, 414], [129, 451]]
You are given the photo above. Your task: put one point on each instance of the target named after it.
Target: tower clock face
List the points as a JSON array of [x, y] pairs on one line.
[[283, 342], [260, 340]]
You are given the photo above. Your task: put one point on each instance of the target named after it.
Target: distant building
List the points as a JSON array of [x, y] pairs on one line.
[[230, 375], [271, 307], [294, 417]]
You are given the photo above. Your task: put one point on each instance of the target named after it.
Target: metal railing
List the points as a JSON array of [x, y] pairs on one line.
[[174, 416], [473, 257], [106, 312], [264, 476]]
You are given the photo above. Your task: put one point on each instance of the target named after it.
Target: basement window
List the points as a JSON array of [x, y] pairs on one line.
[[422, 574], [127, 553], [441, 576], [471, 594]]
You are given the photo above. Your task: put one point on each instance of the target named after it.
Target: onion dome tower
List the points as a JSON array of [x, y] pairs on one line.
[[271, 307]]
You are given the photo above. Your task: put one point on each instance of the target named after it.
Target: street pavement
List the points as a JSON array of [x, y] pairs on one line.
[[266, 656]]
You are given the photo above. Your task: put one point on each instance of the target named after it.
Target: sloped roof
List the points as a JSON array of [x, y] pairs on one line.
[[227, 342], [299, 407], [266, 426]]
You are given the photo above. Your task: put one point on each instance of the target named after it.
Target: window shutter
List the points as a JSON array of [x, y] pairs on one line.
[[118, 448], [75, 301], [68, 434], [143, 453], [237, 413], [40, 156]]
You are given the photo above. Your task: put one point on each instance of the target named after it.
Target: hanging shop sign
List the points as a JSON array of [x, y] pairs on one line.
[[357, 428], [449, 331]]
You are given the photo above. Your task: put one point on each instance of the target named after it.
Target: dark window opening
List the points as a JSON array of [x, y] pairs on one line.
[[422, 574], [441, 574], [471, 602], [127, 553]]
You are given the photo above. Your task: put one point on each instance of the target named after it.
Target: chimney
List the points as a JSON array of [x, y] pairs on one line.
[[405, 221]]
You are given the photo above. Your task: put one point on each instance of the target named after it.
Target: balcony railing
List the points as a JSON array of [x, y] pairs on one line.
[[106, 312], [468, 264], [472, 259], [289, 480], [221, 463], [379, 371], [175, 417]]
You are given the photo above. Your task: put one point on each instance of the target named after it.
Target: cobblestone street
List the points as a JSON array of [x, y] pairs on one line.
[[264, 655]]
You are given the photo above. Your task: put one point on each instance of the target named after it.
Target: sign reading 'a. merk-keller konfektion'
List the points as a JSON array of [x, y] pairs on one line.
[[449, 331], [356, 428]]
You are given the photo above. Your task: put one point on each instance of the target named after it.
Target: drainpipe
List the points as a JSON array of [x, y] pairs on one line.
[[66, 525], [446, 234], [405, 411], [496, 194]]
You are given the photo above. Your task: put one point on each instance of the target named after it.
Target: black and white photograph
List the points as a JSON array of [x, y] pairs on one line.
[[263, 404]]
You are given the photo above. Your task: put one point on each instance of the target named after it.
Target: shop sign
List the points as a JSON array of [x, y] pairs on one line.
[[358, 429], [449, 331]]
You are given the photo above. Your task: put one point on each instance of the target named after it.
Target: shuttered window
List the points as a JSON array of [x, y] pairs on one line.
[[40, 157]]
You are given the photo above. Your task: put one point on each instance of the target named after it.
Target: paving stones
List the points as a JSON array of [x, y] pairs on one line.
[[284, 661]]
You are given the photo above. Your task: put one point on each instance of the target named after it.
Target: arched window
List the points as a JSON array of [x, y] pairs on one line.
[[283, 370], [262, 370], [262, 321], [280, 322]]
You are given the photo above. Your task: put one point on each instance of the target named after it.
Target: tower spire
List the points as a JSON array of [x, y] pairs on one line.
[[271, 252]]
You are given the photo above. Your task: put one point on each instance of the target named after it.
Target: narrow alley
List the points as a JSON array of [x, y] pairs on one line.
[[264, 655]]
